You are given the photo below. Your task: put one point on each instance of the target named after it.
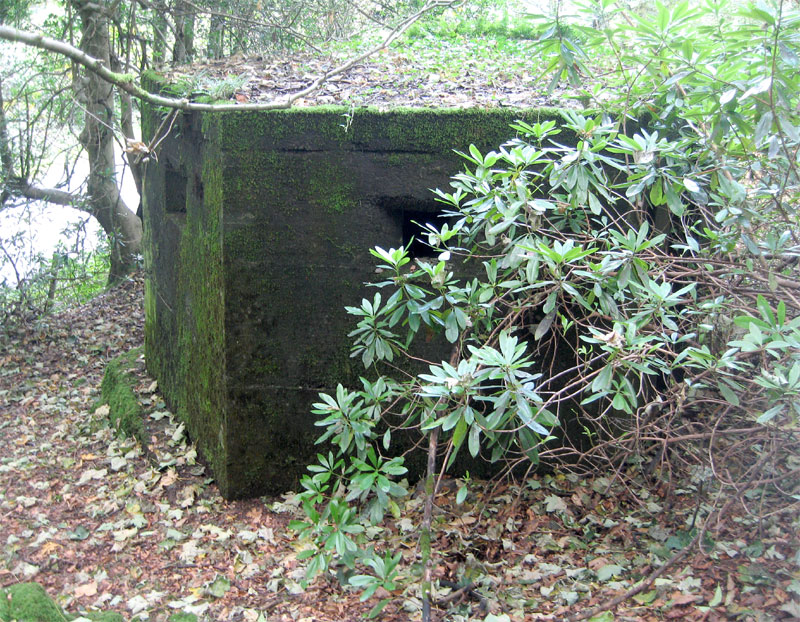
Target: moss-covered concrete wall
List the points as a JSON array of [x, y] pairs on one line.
[[184, 291], [258, 226]]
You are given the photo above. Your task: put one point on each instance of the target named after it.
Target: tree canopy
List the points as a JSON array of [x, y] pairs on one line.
[[84, 92]]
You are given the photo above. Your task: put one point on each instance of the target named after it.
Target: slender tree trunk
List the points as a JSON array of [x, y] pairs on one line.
[[184, 34], [158, 50], [425, 531], [216, 37], [431, 485], [188, 31], [55, 267], [6, 161], [121, 225], [179, 49]]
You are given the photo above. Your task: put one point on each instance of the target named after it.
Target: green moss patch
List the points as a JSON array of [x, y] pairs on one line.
[[28, 602], [117, 390]]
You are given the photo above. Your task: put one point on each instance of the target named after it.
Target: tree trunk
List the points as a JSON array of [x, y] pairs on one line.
[[158, 49], [188, 32], [183, 50], [122, 226], [216, 37], [6, 160]]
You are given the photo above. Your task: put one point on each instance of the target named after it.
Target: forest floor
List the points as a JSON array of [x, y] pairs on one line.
[[102, 523]]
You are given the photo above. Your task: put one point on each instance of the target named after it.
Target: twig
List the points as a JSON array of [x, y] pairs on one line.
[[160, 135], [425, 536], [253, 22], [456, 593], [465, 590], [430, 493]]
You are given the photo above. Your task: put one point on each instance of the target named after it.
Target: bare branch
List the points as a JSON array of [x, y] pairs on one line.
[[125, 82], [21, 188], [388, 40], [253, 22]]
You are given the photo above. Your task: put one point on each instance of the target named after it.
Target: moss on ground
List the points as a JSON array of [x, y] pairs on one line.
[[28, 602], [125, 412]]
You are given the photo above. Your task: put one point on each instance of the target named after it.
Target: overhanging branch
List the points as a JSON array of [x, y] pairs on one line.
[[125, 82], [21, 188]]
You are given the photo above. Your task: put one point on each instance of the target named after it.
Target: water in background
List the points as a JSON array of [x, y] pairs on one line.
[[34, 231]]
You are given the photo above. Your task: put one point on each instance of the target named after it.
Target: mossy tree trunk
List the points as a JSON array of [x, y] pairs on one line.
[[104, 201], [216, 37], [101, 197], [183, 50]]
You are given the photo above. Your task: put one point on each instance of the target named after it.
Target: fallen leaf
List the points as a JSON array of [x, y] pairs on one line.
[[554, 503], [609, 571], [792, 608], [219, 586], [175, 535], [137, 604], [189, 550], [124, 534], [87, 589], [168, 478], [49, 547], [683, 599], [187, 496], [90, 474], [25, 569], [646, 598], [463, 521], [80, 533]]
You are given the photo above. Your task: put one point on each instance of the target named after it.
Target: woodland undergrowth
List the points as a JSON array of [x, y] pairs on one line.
[[632, 304]]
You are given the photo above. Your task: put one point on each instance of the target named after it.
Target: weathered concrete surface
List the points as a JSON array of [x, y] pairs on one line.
[[257, 231]]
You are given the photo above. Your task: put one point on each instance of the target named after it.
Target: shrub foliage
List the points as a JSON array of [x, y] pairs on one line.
[[638, 290]]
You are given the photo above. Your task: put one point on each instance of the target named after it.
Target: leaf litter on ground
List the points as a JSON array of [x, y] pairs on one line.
[[459, 72], [101, 521]]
